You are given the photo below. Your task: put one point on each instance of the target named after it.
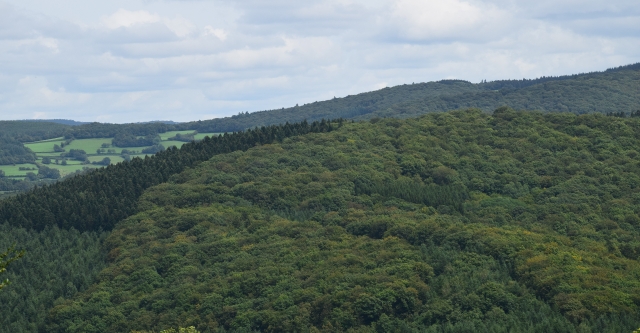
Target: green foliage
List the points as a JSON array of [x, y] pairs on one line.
[[7, 257], [153, 149], [57, 265], [13, 152], [125, 139], [607, 92], [46, 172], [25, 131], [340, 231]]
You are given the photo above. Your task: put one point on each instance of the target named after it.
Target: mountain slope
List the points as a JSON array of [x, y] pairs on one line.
[[538, 231]]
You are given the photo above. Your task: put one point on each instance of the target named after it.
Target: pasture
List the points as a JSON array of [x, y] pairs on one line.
[[168, 144], [114, 158], [90, 146], [166, 135], [45, 146], [14, 170], [201, 136], [71, 168]]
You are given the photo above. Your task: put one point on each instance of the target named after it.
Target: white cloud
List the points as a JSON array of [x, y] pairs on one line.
[[125, 18], [140, 60], [218, 33], [446, 19]]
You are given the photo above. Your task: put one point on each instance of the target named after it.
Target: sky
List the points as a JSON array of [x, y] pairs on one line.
[[141, 60]]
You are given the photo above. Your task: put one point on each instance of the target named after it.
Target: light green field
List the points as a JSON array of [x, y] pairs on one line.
[[14, 170], [201, 136], [165, 136], [90, 145], [44, 146], [70, 168]]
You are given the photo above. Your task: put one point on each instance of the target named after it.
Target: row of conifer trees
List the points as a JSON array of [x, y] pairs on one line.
[[99, 199]]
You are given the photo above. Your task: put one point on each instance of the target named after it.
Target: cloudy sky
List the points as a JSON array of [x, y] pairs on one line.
[[140, 60]]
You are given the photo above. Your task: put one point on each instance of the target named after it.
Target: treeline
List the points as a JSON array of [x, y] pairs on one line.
[[99, 199], [607, 92], [184, 137], [126, 140], [28, 131], [517, 84], [13, 152], [600, 92], [101, 130]]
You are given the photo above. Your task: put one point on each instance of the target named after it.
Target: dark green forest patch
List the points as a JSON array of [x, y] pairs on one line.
[[543, 235]]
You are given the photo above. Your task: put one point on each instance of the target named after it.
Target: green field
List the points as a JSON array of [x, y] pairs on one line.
[[71, 168], [14, 170], [90, 146], [201, 136], [166, 135], [44, 146], [168, 144]]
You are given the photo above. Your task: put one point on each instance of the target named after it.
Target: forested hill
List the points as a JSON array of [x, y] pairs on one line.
[[25, 131], [452, 222], [611, 91]]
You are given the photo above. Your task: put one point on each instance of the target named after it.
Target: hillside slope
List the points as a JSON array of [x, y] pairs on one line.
[[614, 90], [452, 222]]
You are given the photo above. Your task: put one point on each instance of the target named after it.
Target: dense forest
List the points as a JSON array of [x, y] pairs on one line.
[[452, 222], [13, 152]]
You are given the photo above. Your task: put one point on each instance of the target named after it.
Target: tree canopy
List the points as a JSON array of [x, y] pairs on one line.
[[7, 257]]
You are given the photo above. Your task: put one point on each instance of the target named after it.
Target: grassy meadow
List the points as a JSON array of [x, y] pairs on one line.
[[44, 148], [166, 135]]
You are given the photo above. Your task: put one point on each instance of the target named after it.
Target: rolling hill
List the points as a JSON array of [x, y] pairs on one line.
[[410, 219], [451, 222]]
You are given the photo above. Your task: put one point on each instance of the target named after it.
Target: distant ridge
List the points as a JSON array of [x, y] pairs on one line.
[[613, 90], [57, 121], [168, 122], [78, 123]]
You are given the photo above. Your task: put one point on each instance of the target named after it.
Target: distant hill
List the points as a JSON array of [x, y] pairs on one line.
[[29, 130], [614, 90], [59, 121]]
